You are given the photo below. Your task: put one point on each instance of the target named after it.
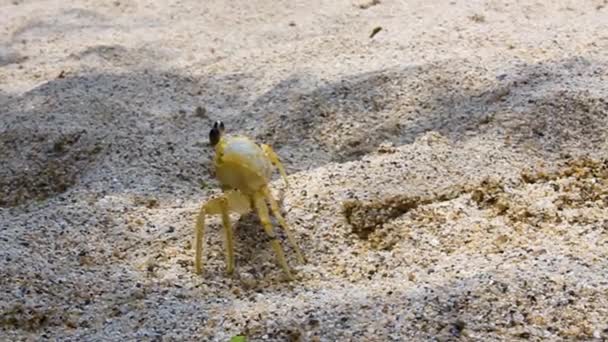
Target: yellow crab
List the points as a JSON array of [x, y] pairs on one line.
[[244, 170]]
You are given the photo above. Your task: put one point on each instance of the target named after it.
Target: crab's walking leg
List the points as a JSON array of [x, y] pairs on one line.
[[212, 207], [230, 201], [229, 238], [274, 159], [277, 213], [200, 232], [260, 205]]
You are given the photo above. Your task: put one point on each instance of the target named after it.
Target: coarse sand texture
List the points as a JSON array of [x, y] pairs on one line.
[[447, 164]]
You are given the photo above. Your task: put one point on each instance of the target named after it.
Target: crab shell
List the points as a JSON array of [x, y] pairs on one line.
[[241, 164]]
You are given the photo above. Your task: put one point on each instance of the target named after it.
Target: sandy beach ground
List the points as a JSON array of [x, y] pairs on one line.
[[448, 176]]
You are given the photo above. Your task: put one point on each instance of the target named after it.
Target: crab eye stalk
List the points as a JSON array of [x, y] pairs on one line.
[[216, 133]]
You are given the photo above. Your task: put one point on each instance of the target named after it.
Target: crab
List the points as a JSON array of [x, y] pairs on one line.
[[244, 170]]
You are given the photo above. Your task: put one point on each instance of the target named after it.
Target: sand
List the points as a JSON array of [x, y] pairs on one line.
[[448, 176]]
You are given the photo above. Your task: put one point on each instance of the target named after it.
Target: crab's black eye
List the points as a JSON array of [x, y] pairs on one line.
[[214, 136], [216, 133]]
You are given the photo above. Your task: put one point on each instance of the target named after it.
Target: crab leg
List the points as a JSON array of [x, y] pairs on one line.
[[260, 205], [228, 236], [274, 207], [230, 201], [200, 231], [200, 234], [274, 159]]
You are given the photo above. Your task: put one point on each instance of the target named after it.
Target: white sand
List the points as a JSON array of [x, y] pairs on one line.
[[439, 185]]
